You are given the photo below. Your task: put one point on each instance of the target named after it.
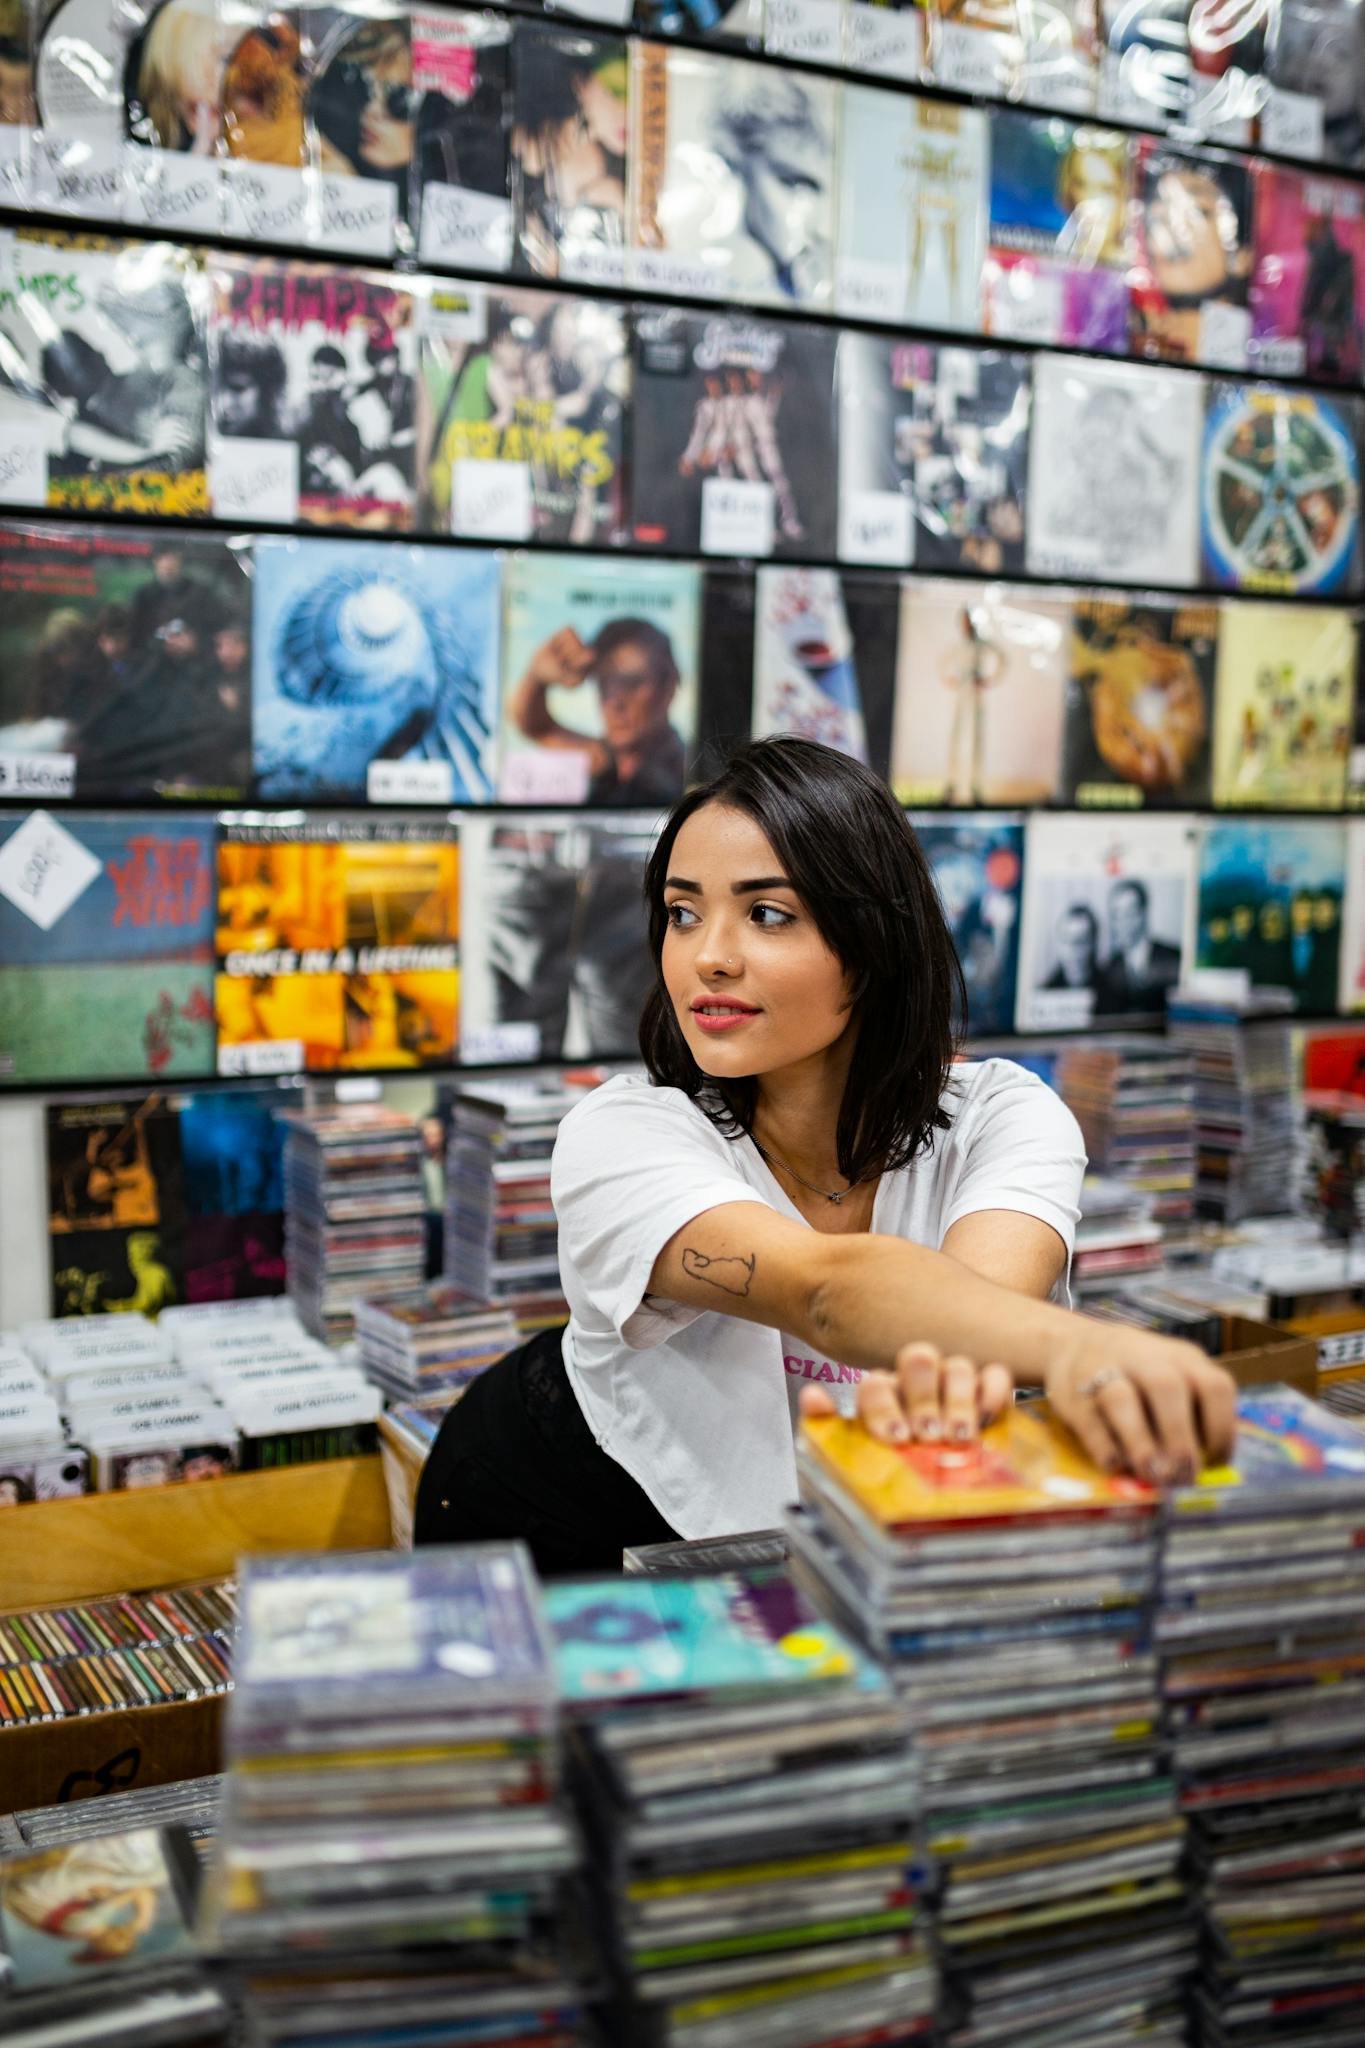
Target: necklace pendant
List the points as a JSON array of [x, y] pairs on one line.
[[836, 1199]]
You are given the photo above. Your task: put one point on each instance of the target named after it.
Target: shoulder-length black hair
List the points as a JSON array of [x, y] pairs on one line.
[[848, 851]]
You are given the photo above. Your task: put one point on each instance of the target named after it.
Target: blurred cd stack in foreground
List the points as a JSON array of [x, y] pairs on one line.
[[1261, 1631], [354, 1208], [502, 1242], [747, 1782], [428, 1343], [1007, 1583], [394, 1853]]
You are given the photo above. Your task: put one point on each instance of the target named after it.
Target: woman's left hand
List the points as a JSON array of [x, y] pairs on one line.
[[929, 1397]]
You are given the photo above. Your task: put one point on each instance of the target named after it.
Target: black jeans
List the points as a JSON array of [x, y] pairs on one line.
[[515, 1457]]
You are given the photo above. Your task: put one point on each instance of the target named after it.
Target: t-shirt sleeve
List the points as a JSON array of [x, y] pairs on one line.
[[1019, 1148], [631, 1166]]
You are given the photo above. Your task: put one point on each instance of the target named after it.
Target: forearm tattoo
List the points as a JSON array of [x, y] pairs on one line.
[[733, 1275]]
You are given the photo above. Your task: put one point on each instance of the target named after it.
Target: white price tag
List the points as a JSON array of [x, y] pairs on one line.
[[1022, 303], [545, 775], [410, 782], [613, 13], [486, 1044], [254, 480], [737, 518], [659, 270], [591, 262], [810, 31], [176, 193], [459, 227], [36, 776], [262, 1056], [83, 178], [23, 464], [885, 40], [876, 527], [969, 59], [264, 202], [358, 1088], [15, 148], [870, 290], [358, 214], [44, 868], [1059, 1009], [1224, 332], [1291, 124], [491, 500], [1280, 355]]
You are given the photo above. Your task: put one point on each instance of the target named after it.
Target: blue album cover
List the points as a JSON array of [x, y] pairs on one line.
[[1279, 501], [232, 1151], [978, 865], [371, 652], [1286, 1444], [1270, 900]]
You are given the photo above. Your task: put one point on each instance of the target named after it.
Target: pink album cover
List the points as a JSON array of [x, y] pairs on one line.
[[1308, 287]]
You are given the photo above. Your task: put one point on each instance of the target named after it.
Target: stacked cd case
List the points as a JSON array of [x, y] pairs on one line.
[[354, 1209]]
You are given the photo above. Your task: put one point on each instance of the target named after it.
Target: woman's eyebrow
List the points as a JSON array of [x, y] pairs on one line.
[[763, 882], [688, 888]]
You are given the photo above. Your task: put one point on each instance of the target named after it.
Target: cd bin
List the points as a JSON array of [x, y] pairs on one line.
[[109, 1543]]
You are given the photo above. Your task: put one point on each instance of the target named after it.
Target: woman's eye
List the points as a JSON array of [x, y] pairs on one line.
[[770, 917], [679, 914]]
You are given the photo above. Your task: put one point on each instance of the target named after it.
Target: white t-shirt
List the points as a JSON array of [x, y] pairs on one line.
[[692, 1402]]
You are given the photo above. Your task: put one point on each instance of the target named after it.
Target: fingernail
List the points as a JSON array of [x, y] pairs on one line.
[[899, 1432], [961, 1432], [1156, 1471], [930, 1428]]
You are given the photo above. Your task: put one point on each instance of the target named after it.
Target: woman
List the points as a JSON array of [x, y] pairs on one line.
[[804, 1181], [569, 136]]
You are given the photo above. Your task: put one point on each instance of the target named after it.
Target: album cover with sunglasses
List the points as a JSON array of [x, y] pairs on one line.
[[460, 202], [570, 150], [264, 139], [360, 125]]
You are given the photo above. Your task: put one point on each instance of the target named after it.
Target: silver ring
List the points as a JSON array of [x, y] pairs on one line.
[[1093, 1388]]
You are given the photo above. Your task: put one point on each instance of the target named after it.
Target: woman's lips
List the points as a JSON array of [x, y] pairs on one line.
[[718, 1017]]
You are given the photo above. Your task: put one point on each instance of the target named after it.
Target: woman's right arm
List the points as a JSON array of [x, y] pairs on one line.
[[877, 1302]]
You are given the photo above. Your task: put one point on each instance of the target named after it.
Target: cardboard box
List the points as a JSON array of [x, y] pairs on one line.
[[90, 1754], [1263, 1354]]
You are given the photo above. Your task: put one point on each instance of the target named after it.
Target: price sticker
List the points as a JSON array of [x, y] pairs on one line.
[[254, 479], [737, 518], [486, 1045], [262, 1056], [37, 776], [44, 868], [545, 775], [410, 782], [876, 527], [491, 500]]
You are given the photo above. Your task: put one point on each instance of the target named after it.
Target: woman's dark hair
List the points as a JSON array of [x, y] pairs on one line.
[[848, 851]]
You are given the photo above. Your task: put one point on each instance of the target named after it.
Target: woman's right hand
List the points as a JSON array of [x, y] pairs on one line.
[[1142, 1403]]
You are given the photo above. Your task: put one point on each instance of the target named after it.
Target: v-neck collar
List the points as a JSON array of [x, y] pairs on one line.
[[789, 1205]]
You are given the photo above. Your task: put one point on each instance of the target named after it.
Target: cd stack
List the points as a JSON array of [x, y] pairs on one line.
[[1243, 1103], [747, 1779], [1134, 1101], [354, 1209], [192, 1804], [1007, 1583], [501, 1240], [1118, 1234], [428, 1343], [393, 1850], [1261, 1630]]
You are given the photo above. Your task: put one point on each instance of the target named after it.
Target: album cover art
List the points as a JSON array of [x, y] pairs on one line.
[[721, 398], [1056, 266], [1308, 292], [701, 20], [1103, 920], [599, 701], [370, 654], [1139, 710], [117, 1901], [1144, 62], [978, 865], [1286, 707], [337, 942], [106, 926], [1113, 472], [360, 128], [265, 163], [570, 137], [912, 209], [18, 105], [125, 662], [805, 664], [1280, 495], [1226, 61], [1351, 995], [980, 694], [1059, 55], [557, 959], [522, 397], [1192, 256], [733, 188], [1270, 901], [116, 1205], [460, 202], [102, 375], [1315, 64], [232, 1160]]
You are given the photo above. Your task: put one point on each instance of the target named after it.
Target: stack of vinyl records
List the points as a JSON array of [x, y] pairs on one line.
[[502, 1242], [1118, 1234], [1261, 1629], [430, 1341], [1243, 1104], [1008, 1584], [747, 1781], [96, 1947], [1134, 1101], [354, 1210], [393, 1847]]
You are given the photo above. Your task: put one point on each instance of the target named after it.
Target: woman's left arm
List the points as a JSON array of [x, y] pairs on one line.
[[1017, 1251]]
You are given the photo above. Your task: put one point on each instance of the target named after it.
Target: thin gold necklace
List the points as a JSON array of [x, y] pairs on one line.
[[835, 1195]]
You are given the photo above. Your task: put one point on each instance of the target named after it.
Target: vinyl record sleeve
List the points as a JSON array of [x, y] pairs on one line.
[[1192, 256], [1269, 901], [978, 867], [1144, 62], [1315, 74], [1286, 707], [1113, 473], [1058, 233], [1351, 996], [360, 130], [1105, 904], [1280, 493], [267, 185], [912, 209], [460, 199], [18, 105], [50, 1917], [1308, 292], [570, 138], [1139, 716], [725, 398], [805, 666]]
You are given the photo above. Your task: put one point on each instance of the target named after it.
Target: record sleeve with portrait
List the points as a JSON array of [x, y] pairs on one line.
[[1192, 255], [522, 401], [1114, 472], [312, 394], [103, 384], [733, 185], [1280, 492], [125, 662], [360, 127], [978, 866], [1315, 74], [1308, 291], [1285, 707], [1269, 903], [806, 678], [570, 137], [1058, 234], [980, 694], [337, 942], [557, 959], [912, 209], [1139, 712], [1105, 902], [460, 202], [266, 186], [599, 697], [721, 398], [375, 659]]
